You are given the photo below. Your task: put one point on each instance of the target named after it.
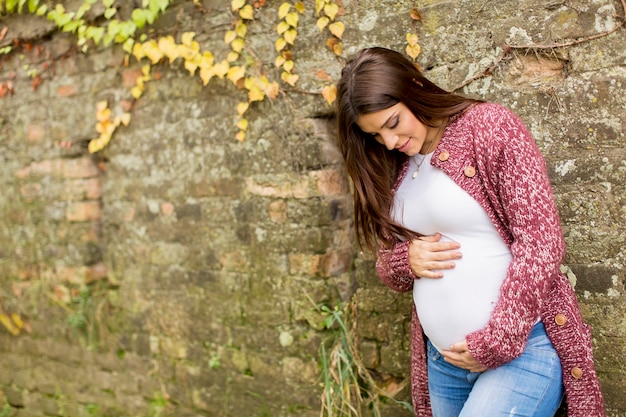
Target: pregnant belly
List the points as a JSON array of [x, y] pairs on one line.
[[462, 301]]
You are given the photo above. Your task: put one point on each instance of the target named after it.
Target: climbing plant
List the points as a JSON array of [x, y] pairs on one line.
[[110, 23], [242, 69]]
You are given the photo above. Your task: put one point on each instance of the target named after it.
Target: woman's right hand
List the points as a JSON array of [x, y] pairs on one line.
[[428, 256]]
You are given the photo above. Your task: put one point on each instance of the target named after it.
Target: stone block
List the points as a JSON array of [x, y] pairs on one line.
[[84, 211]]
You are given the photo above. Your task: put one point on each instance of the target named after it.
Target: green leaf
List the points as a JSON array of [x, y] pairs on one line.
[[32, 5], [20, 6], [11, 5], [150, 16], [95, 33], [158, 5], [109, 13], [72, 26], [139, 17]]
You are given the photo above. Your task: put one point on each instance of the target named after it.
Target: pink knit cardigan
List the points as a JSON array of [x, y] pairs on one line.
[[489, 152]]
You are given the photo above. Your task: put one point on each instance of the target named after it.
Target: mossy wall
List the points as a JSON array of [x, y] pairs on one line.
[[178, 271]]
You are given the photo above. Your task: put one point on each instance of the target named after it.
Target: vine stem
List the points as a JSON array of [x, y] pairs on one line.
[[508, 48]]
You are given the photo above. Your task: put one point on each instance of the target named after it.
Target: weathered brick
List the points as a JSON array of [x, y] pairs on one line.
[[277, 211], [82, 167], [130, 76], [66, 90], [331, 182], [336, 262], [167, 208], [84, 211], [307, 264], [35, 133], [83, 189]]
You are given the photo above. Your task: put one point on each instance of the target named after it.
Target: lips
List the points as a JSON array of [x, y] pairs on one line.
[[405, 146]]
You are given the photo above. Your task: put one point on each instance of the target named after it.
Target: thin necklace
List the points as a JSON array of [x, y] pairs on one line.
[[435, 142], [419, 164]]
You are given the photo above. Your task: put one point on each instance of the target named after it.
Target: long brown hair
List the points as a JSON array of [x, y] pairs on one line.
[[376, 79]]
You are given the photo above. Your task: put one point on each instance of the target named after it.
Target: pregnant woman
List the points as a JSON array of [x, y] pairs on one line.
[[454, 195]]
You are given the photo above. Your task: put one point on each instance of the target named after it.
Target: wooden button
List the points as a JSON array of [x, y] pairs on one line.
[[444, 155], [560, 319], [469, 171], [576, 372]]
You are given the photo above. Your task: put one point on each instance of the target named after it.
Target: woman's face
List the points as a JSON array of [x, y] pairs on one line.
[[397, 128]]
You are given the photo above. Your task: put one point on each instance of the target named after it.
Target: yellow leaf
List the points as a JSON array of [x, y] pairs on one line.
[[280, 44], [17, 320], [237, 4], [230, 36], [283, 10], [136, 92], [191, 66], [290, 36], [331, 10], [220, 69], [187, 38], [206, 73], [338, 48], [330, 93], [138, 51], [232, 56], [152, 51], [103, 115], [282, 27], [237, 45], [319, 5], [241, 29], [290, 79], [337, 29], [145, 71], [168, 46], [413, 51], [288, 65], [279, 61], [300, 7], [415, 14], [242, 108], [240, 136], [271, 90], [96, 145], [322, 22], [242, 124], [247, 12], [6, 321], [292, 19], [101, 105], [125, 119], [255, 94], [411, 38], [234, 74], [207, 59]]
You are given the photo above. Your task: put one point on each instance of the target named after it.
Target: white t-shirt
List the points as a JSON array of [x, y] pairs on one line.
[[462, 301]]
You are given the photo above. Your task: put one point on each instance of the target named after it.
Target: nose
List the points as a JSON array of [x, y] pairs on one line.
[[390, 140]]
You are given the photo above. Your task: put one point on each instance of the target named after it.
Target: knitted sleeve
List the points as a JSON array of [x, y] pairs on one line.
[[393, 267], [515, 165]]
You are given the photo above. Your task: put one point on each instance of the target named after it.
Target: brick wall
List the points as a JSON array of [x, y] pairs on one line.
[[179, 271]]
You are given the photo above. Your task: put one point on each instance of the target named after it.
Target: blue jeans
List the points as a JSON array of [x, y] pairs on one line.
[[530, 385]]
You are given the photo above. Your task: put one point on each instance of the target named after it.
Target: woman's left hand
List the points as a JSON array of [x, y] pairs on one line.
[[458, 355]]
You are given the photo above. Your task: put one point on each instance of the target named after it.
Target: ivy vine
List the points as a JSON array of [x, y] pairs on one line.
[[238, 67]]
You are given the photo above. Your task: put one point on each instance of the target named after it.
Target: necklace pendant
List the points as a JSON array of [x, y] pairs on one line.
[[415, 173]]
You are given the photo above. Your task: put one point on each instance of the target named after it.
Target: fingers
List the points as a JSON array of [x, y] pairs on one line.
[[429, 256], [463, 360]]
